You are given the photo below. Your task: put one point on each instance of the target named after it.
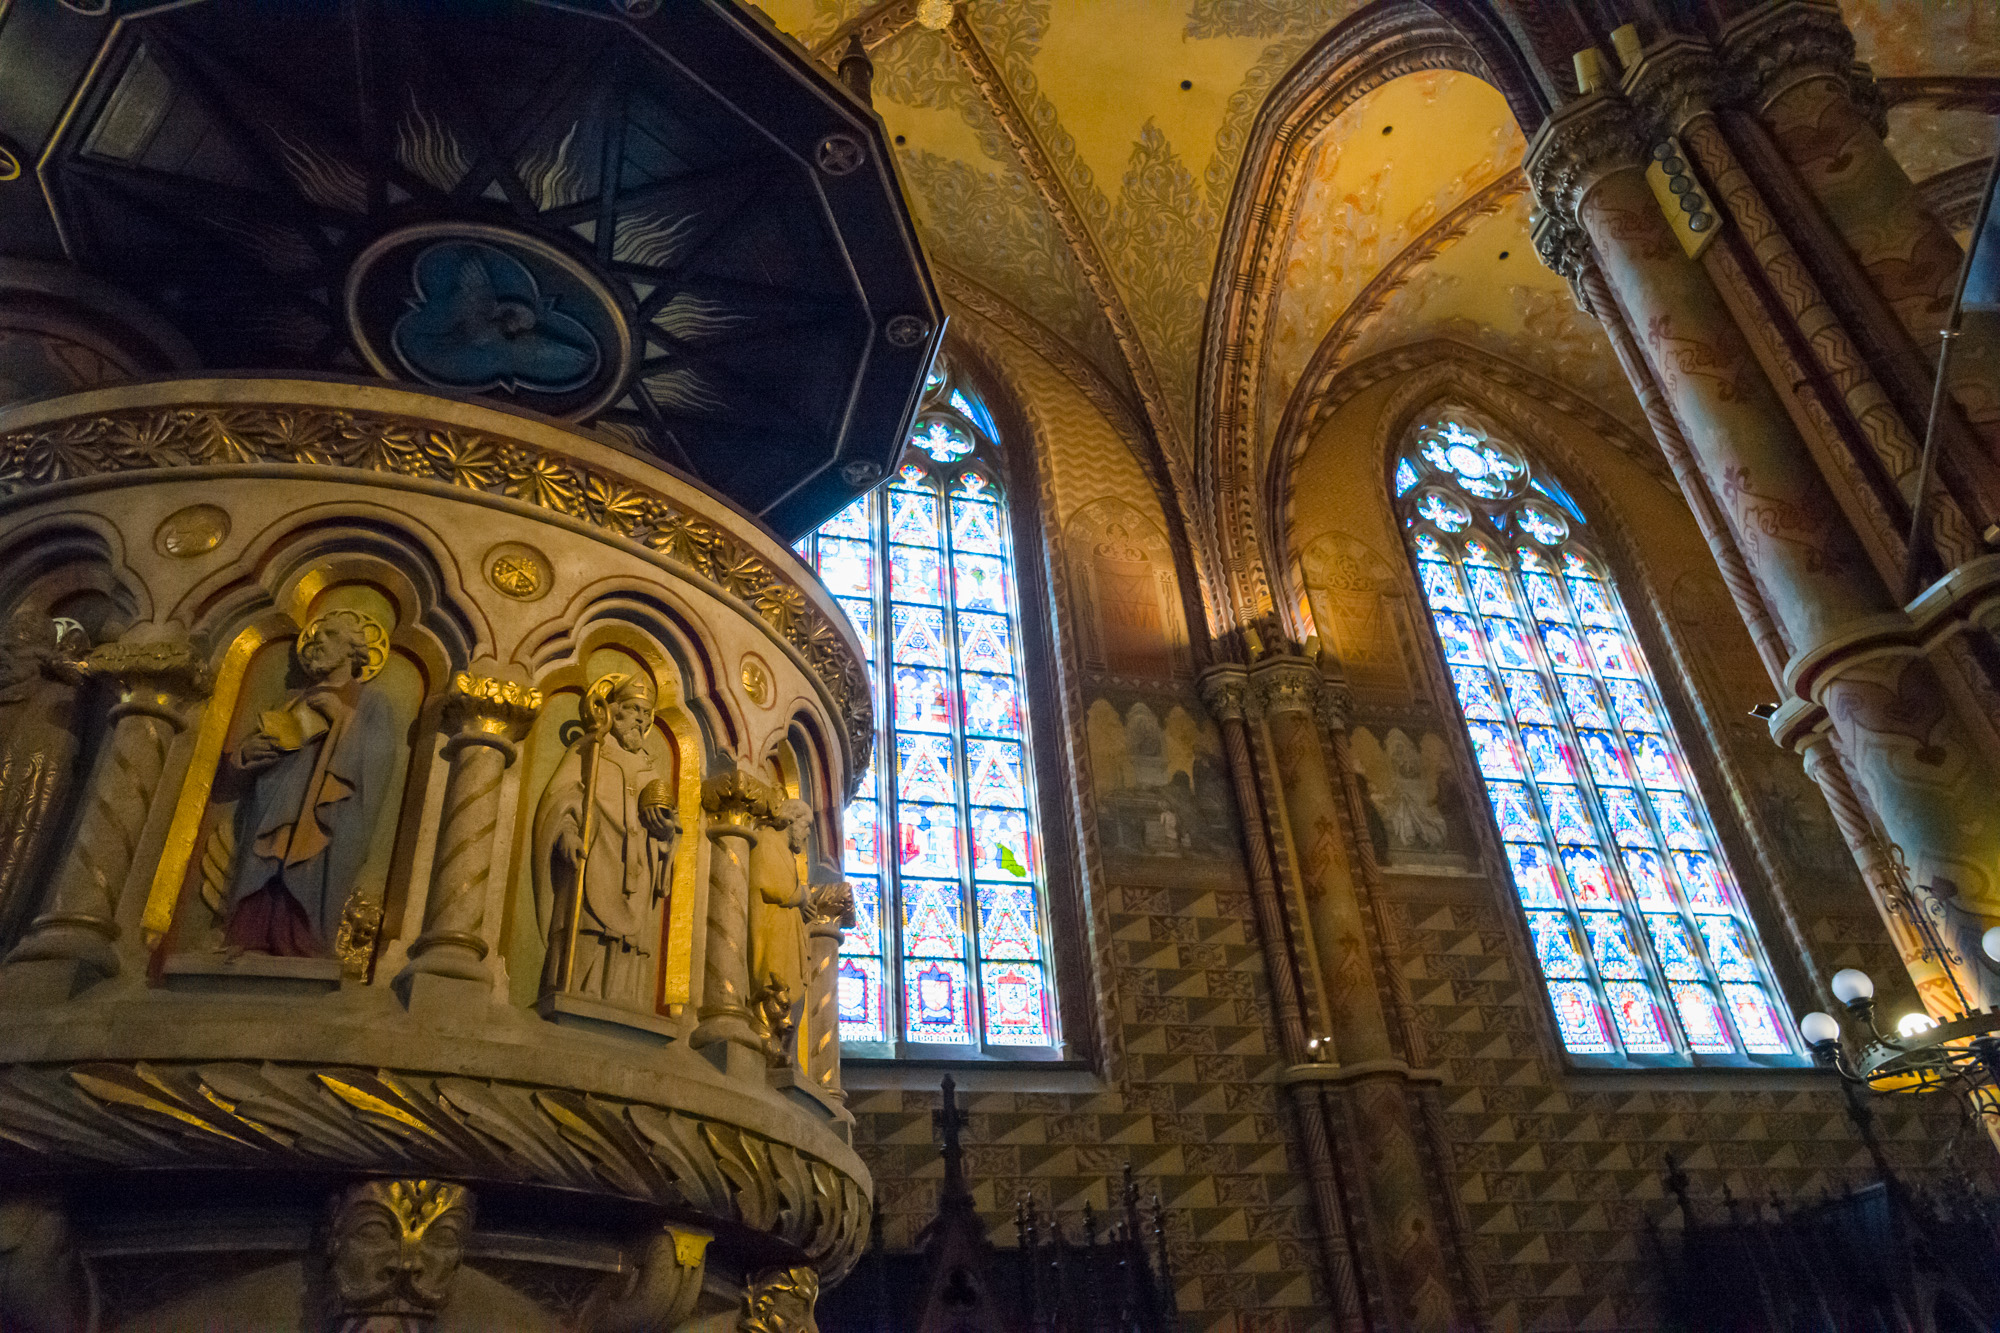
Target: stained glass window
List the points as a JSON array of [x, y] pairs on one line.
[[950, 942], [1636, 921]]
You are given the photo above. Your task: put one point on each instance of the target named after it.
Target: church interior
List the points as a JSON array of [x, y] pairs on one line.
[[1243, 666]]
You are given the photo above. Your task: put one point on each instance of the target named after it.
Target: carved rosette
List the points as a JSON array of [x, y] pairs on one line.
[[292, 1117], [234, 435]]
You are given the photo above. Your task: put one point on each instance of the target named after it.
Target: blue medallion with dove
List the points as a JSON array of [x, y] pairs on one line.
[[479, 321]]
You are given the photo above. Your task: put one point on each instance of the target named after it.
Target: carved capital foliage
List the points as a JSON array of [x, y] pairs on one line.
[[1779, 44], [738, 799], [165, 438], [830, 907], [1224, 692], [780, 1301], [294, 1118], [1335, 705], [155, 676], [1284, 684], [1677, 81], [1578, 146], [482, 710]]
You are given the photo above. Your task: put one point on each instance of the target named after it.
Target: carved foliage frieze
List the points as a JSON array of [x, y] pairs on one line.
[[194, 436], [294, 1117]]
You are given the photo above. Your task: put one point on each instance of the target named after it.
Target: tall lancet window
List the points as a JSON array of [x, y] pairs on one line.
[[949, 954], [1637, 922]]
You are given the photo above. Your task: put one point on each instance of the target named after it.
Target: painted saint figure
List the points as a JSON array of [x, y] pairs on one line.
[[41, 671], [314, 775], [606, 820]]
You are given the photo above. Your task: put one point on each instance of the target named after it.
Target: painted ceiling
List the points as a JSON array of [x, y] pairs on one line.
[[1102, 226]]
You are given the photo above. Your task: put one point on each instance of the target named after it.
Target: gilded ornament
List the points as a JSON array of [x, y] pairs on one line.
[[781, 1301], [756, 678], [519, 570], [195, 530], [394, 1247]]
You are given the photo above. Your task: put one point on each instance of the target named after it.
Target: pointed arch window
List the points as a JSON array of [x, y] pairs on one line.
[[1645, 949], [949, 954]]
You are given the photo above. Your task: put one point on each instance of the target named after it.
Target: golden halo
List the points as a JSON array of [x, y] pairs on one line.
[[373, 637]]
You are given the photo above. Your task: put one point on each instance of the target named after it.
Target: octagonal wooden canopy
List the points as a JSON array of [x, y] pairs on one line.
[[660, 220]]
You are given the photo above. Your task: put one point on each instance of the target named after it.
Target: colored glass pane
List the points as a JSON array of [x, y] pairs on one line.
[[913, 516], [918, 636], [921, 701], [1498, 757], [1654, 762], [1701, 1019], [1565, 649], [927, 839], [1648, 878], [1007, 926], [852, 521], [1640, 1025], [1512, 812], [1627, 819], [992, 705], [1701, 881], [985, 643], [933, 925], [1568, 819], [1428, 547], [1477, 696], [1533, 561], [1578, 1020], [974, 486], [923, 768], [1670, 944], [1677, 820], [1555, 945], [1589, 877], [916, 574], [1543, 524], [1001, 846], [972, 410], [1406, 476], [866, 933], [847, 566], [1593, 602], [995, 772], [1490, 593], [1543, 599], [1534, 874], [1548, 757], [1634, 708], [1611, 946], [1459, 637], [975, 526], [1509, 642], [861, 615], [1758, 1026], [942, 440], [1017, 1004], [1478, 553], [1602, 755], [859, 991], [1586, 706], [1448, 514], [979, 582], [861, 831], [1481, 466], [1726, 950], [1574, 563], [1529, 697], [1441, 588], [934, 1002], [1612, 651]]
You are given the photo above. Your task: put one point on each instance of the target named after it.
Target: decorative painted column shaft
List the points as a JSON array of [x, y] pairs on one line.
[[734, 801], [830, 912], [1223, 691], [1370, 1081], [487, 719], [77, 935], [1914, 738]]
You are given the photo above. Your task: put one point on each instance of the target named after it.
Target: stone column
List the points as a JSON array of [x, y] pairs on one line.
[[1223, 691], [829, 913], [73, 943], [1915, 737], [734, 802], [486, 720], [1365, 1073]]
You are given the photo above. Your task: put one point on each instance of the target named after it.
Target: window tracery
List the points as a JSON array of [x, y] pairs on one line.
[[1644, 946]]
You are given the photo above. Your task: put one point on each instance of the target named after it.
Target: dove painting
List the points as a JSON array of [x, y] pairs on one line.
[[479, 321]]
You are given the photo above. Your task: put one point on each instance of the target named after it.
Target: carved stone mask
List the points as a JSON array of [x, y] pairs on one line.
[[396, 1245]]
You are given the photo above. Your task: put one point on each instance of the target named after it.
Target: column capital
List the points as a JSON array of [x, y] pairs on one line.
[[481, 710], [830, 908], [154, 676], [736, 801], [1677, 80], [1782, 43], [1335, 705], [1283, 685], [1578, 146], [1224, 690]]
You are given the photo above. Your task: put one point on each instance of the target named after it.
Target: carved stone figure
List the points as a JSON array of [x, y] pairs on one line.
[[605, 837], [778, 901], [314, 775], [393, 1249], [41, 670], [781, 1301]]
